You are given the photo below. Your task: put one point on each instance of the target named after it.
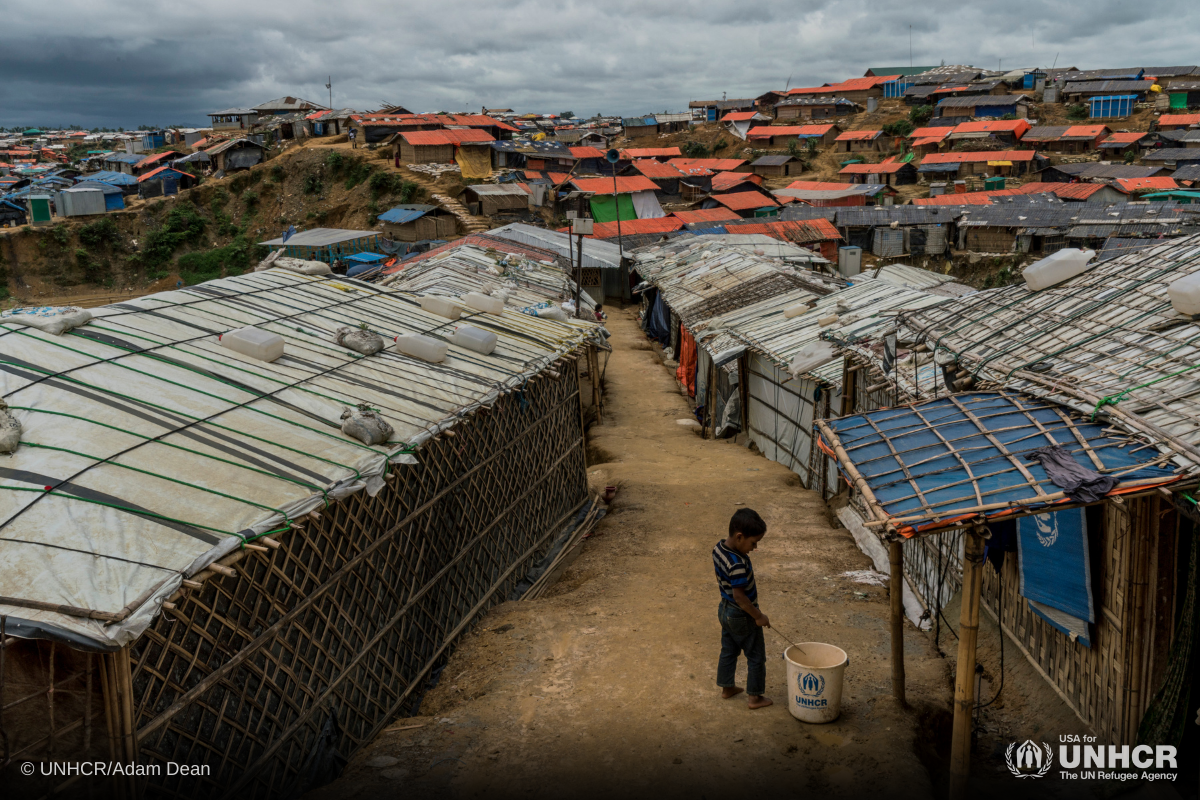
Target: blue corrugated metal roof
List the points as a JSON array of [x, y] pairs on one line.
[[125, 158], [717, 231], [367, 258], [401, 214]]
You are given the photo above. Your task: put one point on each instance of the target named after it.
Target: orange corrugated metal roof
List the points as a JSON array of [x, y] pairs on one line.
[[986, 155], [857, 136], [607, 230], [963, 199], [656, 169], [1017, 126], [586, 152], [936, 134], [1159, 184], [1089, 131], [736, 116], [808, 230], [766, 131], [882, 168], [727, 180], [1125, 137], [650, 152], [625, 183], [1067, 191], [154, 172], [454, 136], [853, 85], [1179, 119], [148, 160], [820, 186], [706, 215], [744, 201]]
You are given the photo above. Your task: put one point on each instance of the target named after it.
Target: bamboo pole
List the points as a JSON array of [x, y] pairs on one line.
[[896, 587], [964, 681]]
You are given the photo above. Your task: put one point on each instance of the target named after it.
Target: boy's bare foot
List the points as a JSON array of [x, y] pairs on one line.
[[731, 691], [760, 701]]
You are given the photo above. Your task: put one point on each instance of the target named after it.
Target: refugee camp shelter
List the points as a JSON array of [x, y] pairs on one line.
[[325, 244], [164, 181], [414, 223], [814, 108], [81, 201], [233, 119], [230, 566], [603, 261], [983, 106], [492, 198], [775, 166], [235, 154]]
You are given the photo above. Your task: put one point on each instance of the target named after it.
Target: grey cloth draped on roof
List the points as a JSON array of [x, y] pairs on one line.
[[1079, 483]]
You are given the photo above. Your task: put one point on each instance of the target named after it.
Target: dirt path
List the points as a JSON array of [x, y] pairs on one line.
[[606, 685]]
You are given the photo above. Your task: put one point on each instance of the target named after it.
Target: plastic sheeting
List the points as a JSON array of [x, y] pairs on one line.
[[686, 371], [474, 162], [645, 205], [604, 209], [780, 415], [165, 451]]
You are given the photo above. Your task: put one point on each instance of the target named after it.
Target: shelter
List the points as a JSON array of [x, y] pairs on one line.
[[773, 166], [859, 141], [745, 204], [1171, 122], [330, 576], [415, 223], [1008, 131], [492, 198], [814, 108], [738, 122], [605, 257], [1172, 157], [1122, 143], [325, 244], [1084, 91], [634, 127], [164, 181], [233, 119], [236, 154], [286, 105], [891, 171], [983, 106], [998, 162], [778, 135]]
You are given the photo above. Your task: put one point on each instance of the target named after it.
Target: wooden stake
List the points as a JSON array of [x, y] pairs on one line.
[[964, 681], [896, 587]]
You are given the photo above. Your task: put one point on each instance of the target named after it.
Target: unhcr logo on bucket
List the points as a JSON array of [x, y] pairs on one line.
[[811, 688]]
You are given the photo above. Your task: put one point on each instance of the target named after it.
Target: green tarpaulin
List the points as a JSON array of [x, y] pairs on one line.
[[1179, 99], [604, 210]]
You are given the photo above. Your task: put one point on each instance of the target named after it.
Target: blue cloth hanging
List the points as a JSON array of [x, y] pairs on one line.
[[1056, 575]]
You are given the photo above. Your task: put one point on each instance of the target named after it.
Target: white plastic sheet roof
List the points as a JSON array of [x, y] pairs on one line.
[[149, 450]]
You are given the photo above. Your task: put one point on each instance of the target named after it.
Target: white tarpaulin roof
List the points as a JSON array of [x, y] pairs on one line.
[[149, 450]]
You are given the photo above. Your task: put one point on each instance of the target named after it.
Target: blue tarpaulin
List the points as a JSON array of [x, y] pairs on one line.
[[1056, 576], [658, 325], [937, 460]]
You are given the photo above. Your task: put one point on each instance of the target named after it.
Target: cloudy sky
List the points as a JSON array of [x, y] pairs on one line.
[[104, 63]]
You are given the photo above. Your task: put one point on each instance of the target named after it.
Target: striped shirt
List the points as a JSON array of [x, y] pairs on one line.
[[734, 571]]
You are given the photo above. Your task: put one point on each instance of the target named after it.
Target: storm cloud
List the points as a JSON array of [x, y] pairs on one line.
[[102, 63]]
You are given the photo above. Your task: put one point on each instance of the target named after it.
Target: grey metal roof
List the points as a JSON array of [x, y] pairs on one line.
[[1183, 86], [801, 212], [815, 101], [1106, 170], [956, 73], [1105, 87], [1180, 135], [772, 161], [1173, 154], [1124, 73], [320, 237], [288, 103], [1169, 227], [232, 112], [983, 100], [544, 149], [921, 91], [875, 216], [1171, 72], [1190, 172], [1044, 133], [597, 253]]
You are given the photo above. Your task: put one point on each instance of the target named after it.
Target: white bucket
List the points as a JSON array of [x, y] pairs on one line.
[[814, 680]]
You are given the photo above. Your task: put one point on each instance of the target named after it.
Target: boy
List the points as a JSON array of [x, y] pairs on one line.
[[741, 621]]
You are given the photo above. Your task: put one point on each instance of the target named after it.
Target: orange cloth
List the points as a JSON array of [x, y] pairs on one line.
[[686, 371]]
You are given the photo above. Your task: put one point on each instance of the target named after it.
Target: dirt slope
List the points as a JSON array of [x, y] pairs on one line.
[[606, 685]]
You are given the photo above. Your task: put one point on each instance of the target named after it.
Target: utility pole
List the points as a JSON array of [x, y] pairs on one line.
[[329, 86], [910, 46]]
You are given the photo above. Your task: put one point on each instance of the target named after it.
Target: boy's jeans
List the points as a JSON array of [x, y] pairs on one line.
[[740, 634]]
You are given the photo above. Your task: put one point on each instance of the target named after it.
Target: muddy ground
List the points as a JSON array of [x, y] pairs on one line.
[[605, 686]]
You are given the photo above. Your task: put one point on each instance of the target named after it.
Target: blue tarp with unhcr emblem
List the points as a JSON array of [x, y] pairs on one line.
[[1056, 576]]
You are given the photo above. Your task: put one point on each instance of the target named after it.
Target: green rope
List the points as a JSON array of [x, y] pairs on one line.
[[229, 461], [1113, 399], [100, 460], [137, 511]]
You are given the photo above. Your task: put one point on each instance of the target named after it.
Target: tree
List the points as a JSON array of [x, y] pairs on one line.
[[900, 127], [567, 115], [1077, 111], [920, 115]]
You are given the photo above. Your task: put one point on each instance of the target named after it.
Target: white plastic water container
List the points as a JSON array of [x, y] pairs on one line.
[[1057, 267], [254, 342], [441, 306], [484, 303], [796, 310], [814, 679], [811, 356], [827, 320], [1185, 295], [476, 339], [425, 348]]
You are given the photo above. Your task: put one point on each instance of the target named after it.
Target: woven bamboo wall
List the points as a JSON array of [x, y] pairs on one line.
[[337, 632], [1095, 681]]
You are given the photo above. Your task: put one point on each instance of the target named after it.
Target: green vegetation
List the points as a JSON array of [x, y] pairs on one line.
[[183, 225], [250, 199], [233, 259], [692, 149], [276, 174], [101, 233], [313, 184], [1130, 157], [1077, 111], [920, 115], [901, 127], [720, 145]]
